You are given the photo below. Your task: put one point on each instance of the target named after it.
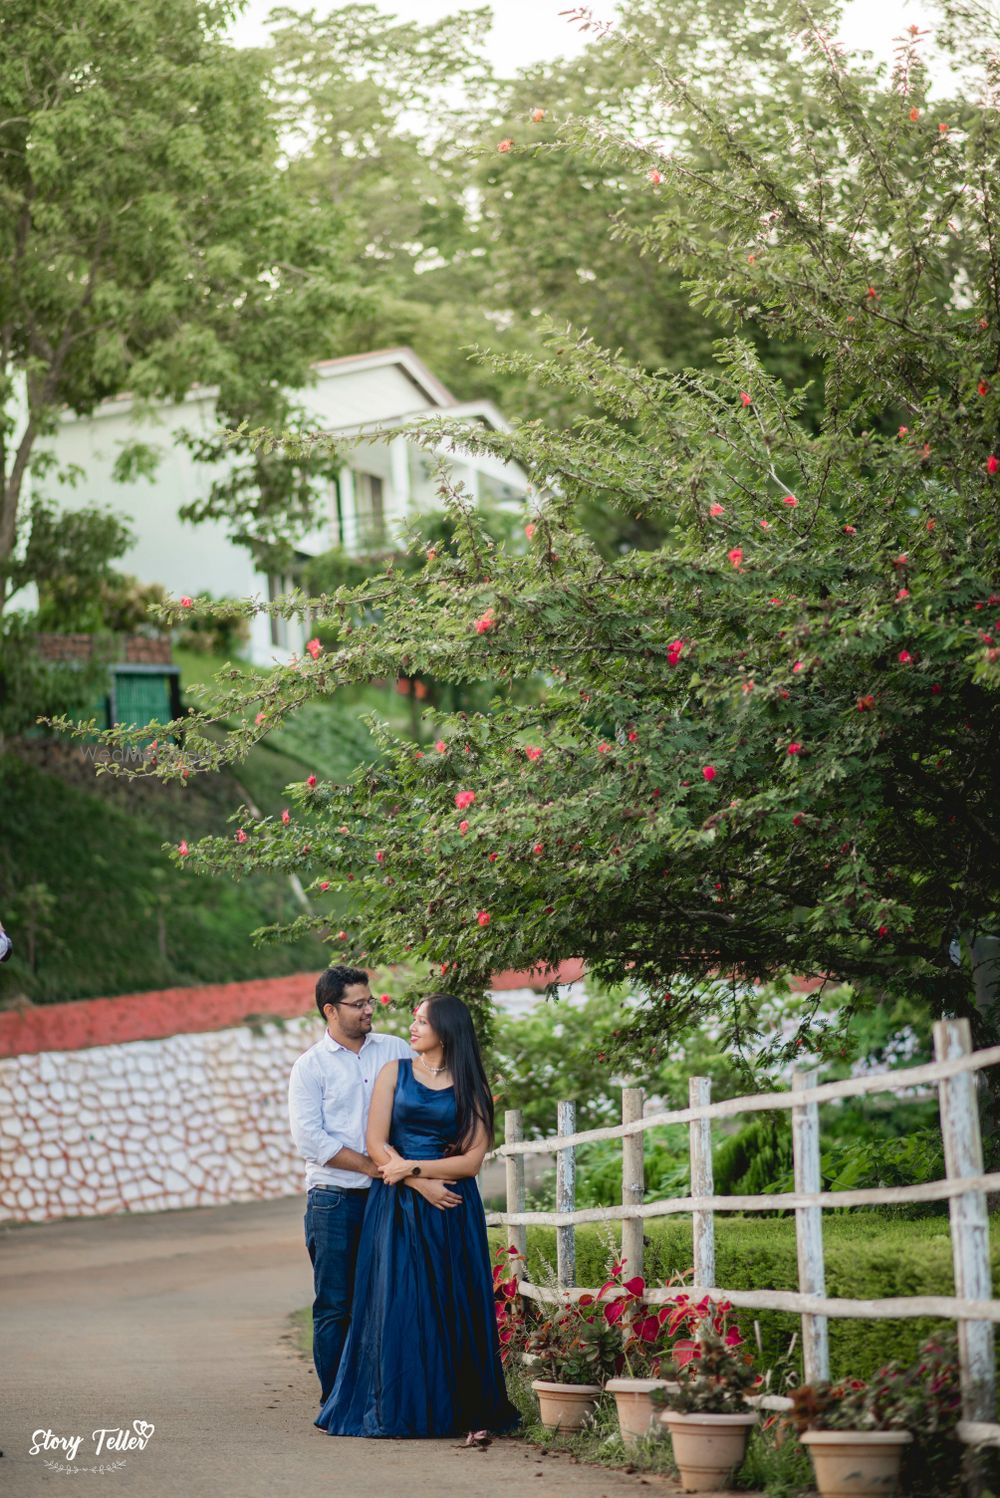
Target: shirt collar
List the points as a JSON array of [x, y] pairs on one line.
[[335, 1045]]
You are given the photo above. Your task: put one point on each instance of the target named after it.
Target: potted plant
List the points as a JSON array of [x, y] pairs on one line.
[[857, 1434], [576, 1350], [706, 1411], [647, 1333]]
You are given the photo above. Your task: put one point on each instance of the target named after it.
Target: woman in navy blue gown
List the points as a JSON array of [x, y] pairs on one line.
[[422, 1357]]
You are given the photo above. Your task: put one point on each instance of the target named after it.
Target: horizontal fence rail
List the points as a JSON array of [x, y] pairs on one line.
[[954, 1074], [928, 1191], [764, 1102], [904, 1306]]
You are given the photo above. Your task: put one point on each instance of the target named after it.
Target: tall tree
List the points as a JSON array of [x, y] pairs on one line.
[[764, 745], [149, 236], [378, 116]]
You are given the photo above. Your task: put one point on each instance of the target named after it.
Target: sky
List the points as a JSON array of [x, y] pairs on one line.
[[528, 31]]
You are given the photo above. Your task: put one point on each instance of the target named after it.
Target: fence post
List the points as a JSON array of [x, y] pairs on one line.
[[702, 1183], [809, 1229], [633, 1180], [566, 1197], [517, 1234], [970, 1245]]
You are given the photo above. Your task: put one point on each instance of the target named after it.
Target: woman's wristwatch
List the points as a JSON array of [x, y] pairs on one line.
[[414, 1170]]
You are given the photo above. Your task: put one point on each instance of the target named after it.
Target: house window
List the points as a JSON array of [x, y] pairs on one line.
[[277, 585], [369, 507]]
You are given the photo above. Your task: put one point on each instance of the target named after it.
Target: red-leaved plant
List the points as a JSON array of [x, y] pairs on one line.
[[648, 1329], [511, 1328], [714, 1372]]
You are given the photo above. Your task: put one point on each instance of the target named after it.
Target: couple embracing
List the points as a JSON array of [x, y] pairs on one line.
[[393, 1135]]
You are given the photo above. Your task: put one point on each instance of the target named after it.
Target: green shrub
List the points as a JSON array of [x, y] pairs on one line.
[[868, 1256], [92, 901]]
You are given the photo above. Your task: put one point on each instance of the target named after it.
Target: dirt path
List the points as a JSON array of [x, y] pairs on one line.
[[180, 1319]]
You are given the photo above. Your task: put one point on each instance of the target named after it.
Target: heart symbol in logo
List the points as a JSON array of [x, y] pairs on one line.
[[143, 1428]]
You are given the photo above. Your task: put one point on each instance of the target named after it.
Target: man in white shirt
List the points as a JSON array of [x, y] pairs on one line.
[[329, 1094]]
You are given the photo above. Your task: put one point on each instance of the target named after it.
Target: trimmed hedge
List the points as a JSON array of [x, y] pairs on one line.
[[867, 1256]]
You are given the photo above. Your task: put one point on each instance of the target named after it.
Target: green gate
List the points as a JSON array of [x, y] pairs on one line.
[[141, 693]]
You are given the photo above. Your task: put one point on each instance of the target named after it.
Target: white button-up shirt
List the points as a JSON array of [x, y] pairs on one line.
[[329, 1094]]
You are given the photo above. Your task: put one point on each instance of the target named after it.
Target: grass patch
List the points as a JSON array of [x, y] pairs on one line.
[[779, 1470], [302, 1331]]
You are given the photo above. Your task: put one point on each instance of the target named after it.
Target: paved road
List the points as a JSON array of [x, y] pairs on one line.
[[179, 1319]]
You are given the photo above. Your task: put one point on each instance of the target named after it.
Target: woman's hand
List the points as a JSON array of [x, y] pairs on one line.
[[395, 1169]]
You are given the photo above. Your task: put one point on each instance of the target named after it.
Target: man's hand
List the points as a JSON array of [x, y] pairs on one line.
[[437, 1193]]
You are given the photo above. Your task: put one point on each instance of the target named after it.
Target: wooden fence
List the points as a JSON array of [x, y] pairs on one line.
[[954, 1073]]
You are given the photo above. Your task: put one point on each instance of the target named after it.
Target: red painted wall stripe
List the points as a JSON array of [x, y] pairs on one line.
[[185, 1011]]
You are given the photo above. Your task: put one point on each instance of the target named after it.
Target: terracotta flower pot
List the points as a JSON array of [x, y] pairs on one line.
[[708, 1448], [637, 1415], [565, 1406], [856, 1463]]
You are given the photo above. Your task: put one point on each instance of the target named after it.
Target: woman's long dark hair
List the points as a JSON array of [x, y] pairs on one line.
[[452, 1024]]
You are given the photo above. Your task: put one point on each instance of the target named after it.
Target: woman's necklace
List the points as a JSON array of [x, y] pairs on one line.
[[435, 1071]]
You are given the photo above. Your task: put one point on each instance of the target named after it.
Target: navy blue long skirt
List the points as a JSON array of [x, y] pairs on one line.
[[422, 1357]]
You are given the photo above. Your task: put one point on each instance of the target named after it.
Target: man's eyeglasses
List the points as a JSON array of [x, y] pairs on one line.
[[366, 1004]]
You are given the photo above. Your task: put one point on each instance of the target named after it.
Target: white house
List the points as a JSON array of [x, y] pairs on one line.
[[381, 484]]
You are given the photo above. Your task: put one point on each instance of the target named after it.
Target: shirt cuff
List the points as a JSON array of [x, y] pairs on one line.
[[331, 1146]]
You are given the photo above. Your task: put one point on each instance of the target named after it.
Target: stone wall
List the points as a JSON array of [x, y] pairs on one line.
[[185, 1121]]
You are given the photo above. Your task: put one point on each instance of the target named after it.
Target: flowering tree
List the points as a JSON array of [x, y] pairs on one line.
[[764, 745]]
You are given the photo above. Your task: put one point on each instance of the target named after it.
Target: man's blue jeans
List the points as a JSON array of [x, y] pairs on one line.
[[333, 1231]]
